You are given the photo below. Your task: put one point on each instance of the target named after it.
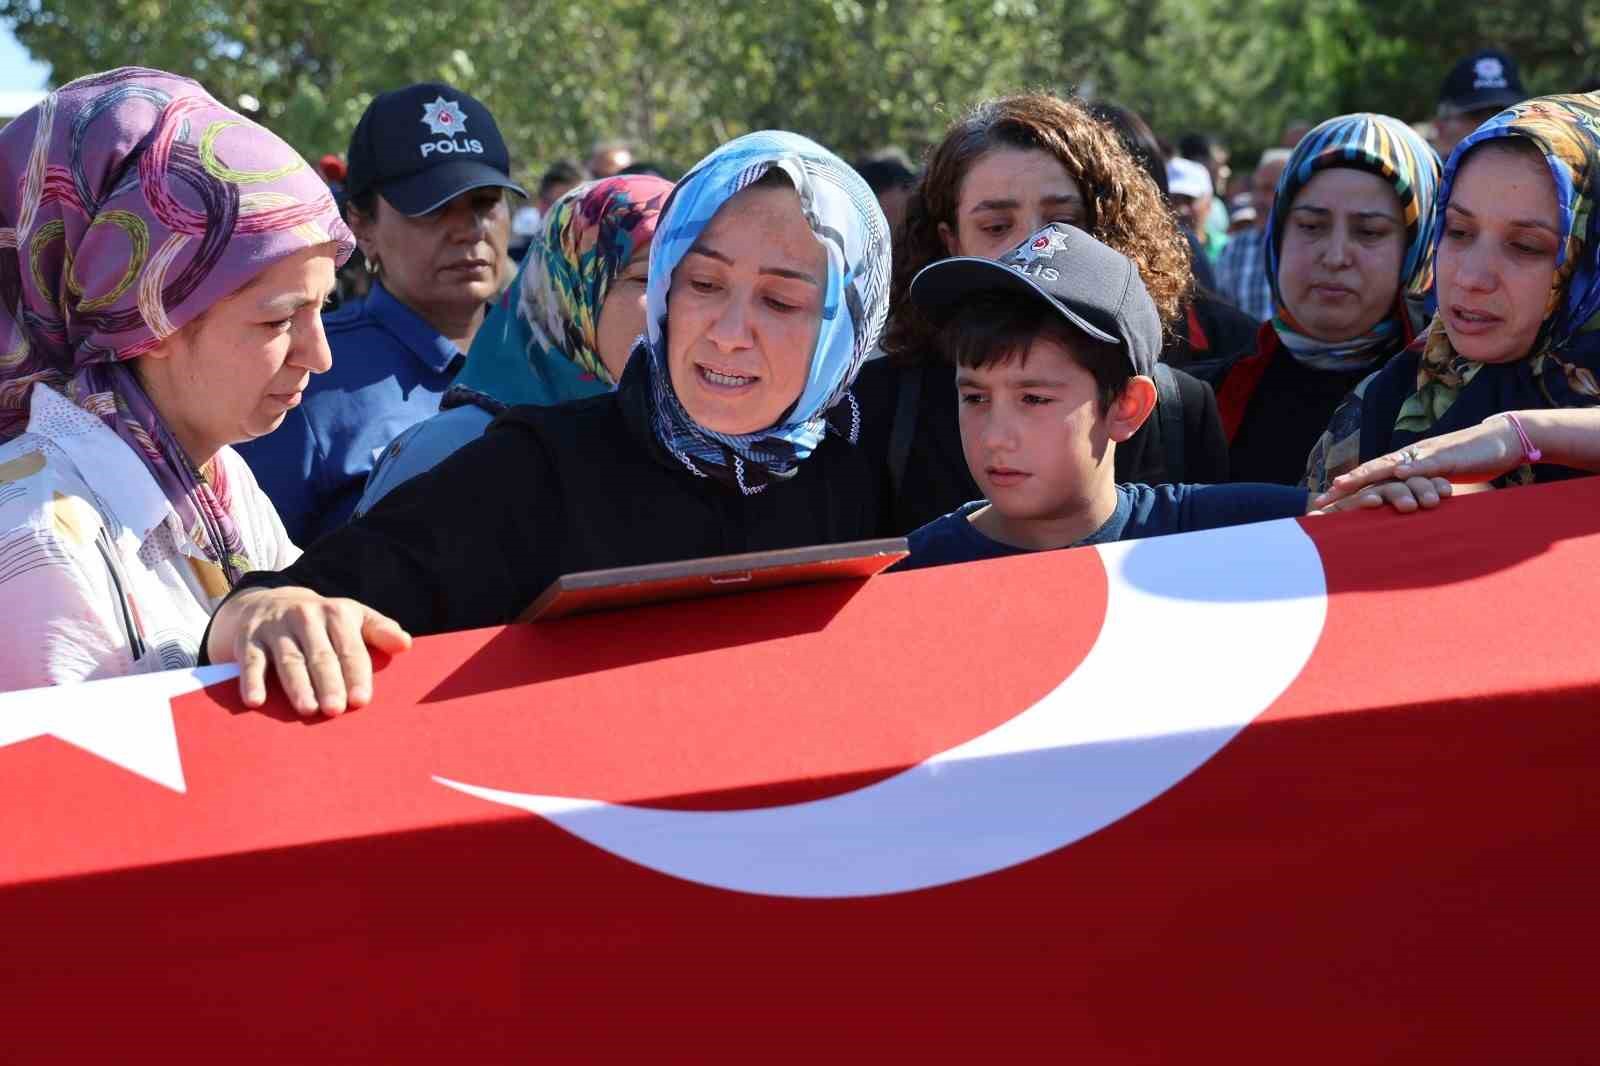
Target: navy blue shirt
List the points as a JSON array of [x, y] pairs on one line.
[[390, 370], [1141, 511]]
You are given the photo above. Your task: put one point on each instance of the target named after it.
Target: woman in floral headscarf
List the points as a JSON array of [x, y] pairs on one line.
[[733, 429], [1349, 257], [562, 331], [162, 265], [1518, 325]]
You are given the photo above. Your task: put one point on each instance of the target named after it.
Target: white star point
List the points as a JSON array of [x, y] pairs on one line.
[[126, 721]]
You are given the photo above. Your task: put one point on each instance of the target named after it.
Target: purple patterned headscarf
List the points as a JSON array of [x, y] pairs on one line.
[[130, 202]]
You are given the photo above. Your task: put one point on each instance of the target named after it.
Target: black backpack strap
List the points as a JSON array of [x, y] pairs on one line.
[[907, 401], [1169, 409]]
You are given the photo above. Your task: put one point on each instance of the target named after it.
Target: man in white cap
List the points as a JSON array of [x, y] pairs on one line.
[[1241, 269], [1189, 188]]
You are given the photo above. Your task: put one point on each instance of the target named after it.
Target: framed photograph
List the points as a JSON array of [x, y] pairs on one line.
[[631, 586]]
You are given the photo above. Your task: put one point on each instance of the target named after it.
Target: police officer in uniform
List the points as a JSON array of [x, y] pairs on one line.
[[426, 197], [1477, 88]]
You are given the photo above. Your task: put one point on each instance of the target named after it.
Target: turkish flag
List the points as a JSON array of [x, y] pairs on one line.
[[1315, 791]]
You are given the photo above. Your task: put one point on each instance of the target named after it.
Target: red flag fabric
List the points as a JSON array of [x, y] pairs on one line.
[[1313, 792]]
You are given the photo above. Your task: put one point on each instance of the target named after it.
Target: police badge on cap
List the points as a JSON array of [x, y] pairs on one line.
[[1485, 80], [424, 145]]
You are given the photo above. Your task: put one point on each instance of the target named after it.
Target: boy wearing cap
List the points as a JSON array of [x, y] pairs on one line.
[[425, 193], [1054, 345]]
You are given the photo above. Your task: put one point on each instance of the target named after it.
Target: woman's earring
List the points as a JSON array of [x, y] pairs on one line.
[[373, 266]]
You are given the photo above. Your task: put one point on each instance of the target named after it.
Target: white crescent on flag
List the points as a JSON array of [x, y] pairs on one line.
[[1202, 633]]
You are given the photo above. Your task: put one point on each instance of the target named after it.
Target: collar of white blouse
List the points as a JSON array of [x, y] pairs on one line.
[[105, 462]]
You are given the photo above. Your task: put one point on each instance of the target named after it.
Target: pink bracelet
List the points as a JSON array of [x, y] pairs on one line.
[[1530, 454]]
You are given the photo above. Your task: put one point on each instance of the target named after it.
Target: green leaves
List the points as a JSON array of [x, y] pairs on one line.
[[678, 77]]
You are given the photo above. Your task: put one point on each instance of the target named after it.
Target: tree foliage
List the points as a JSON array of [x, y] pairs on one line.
[[678, 77]]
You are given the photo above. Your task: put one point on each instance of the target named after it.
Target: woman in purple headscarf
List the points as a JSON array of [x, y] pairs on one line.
[[163, 262]]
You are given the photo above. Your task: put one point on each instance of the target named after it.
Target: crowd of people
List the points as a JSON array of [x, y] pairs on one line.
[[1056, 329]]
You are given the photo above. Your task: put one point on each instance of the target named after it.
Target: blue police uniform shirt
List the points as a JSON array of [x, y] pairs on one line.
[[420, 449], [505, 364], [390, 370], [1141, 511]]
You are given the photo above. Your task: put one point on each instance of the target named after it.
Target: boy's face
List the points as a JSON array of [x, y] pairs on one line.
[[1033, 433]]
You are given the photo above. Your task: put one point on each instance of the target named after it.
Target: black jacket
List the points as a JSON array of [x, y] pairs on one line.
[[548, 491], [1209, 337], [936, 480], [1287, 412]]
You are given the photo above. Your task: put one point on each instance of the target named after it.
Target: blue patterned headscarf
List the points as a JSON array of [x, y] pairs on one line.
[[1563, 366], [1390, 149], [845, 217]]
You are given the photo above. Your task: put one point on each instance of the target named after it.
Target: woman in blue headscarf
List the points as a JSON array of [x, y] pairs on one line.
[[1350, 260], [733, 429]]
